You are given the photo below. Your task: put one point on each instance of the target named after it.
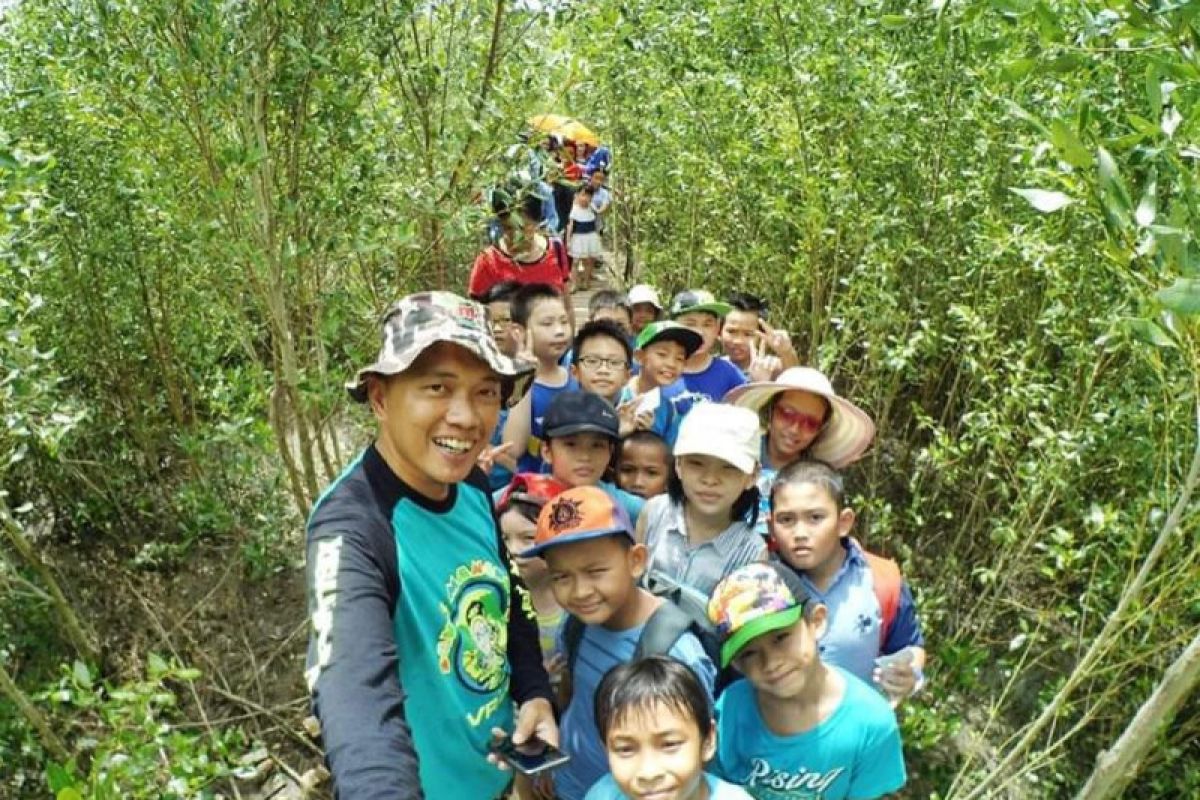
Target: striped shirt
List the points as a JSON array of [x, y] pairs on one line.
[[697, 566]]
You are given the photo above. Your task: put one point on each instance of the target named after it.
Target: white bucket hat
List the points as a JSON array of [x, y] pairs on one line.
[[722, 431], [644, 293], [847, 433]]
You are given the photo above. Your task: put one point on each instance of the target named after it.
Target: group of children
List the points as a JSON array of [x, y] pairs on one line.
[[661, 566]]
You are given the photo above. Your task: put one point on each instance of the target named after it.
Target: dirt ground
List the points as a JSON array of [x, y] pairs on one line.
[[248, 637]]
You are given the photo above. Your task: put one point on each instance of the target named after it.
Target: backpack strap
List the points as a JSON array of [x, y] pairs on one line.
[[572, 636], [662, 631], [885, 577], [560, 255]]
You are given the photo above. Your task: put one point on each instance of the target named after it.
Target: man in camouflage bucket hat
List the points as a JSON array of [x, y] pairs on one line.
[[419, 643], [420, 320]]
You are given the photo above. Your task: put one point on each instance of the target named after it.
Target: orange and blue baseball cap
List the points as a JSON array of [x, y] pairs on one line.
[[578, 515], [753, 600]]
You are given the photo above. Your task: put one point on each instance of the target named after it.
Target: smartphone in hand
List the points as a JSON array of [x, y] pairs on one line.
[[531, 757]]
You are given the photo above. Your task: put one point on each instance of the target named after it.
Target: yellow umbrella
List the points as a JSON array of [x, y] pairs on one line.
[[566, 127]]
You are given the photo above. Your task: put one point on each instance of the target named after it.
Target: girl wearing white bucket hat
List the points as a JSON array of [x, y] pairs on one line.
[[803, 417]]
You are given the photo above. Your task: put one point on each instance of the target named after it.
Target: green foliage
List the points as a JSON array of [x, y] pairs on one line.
[[130, 746], [961, 211], [979, 217]]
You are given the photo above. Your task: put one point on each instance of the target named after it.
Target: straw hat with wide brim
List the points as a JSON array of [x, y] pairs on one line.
[[848, 432]]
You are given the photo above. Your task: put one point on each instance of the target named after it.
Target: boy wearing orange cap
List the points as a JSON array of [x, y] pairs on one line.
[[595, 564]]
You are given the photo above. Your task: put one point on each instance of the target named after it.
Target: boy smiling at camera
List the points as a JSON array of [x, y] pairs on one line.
[[587, 542], [795, 727], [705, 376], [657, 392], [540, 315], [656, 722]]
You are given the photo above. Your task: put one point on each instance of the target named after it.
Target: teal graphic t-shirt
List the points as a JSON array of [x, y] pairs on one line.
[[855, 753], [451, 624], [606, 789]]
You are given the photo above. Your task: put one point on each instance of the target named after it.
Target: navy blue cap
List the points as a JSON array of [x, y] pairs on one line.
[[573, 412]]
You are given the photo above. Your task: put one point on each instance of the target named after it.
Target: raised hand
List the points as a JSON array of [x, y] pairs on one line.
[[778, 342]]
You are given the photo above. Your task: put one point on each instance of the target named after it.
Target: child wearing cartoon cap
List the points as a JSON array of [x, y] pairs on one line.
[[587, 542], [418, 646], [705, 375], [795, 727]]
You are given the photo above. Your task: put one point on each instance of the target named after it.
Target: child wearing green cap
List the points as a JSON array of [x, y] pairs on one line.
[[705, 376], [661, 350], [795, 727]]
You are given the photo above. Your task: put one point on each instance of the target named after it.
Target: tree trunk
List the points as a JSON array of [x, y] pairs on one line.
[[36, 719], [66, 614], [1118, 766]]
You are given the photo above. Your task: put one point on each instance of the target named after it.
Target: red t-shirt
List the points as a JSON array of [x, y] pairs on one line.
[[493, 266]]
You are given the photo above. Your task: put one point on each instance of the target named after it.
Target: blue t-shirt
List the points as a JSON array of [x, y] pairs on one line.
[[674, 403], [531, 459], [599, 651], [606, 789], [854, 754], [500, 476], [632, 504], [855, 623], [714, 380]]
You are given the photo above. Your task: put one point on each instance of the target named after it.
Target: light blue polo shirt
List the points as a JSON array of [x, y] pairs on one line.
[[852, 632]]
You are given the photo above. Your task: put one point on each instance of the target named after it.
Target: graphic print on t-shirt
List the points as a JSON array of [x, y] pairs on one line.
[[474, 637]]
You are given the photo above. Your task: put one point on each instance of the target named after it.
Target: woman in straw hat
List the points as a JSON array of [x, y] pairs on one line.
[[803, 417]]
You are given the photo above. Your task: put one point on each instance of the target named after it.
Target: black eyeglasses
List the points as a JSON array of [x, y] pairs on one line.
[[595, 362]]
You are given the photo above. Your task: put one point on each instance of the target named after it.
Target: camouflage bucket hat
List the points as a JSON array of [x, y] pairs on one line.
[[418, 321]]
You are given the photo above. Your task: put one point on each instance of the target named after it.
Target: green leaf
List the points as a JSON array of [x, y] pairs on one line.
[[59, 778], [1182, 297], [1018, 68], [1043, 200], [1154, 91], [1150, 332], [1147, 208], [1013, 7], [70, 793], [893, 22], [155, 665], [1110, 180], [1024, 115], [1073, 150], [83, 675]]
